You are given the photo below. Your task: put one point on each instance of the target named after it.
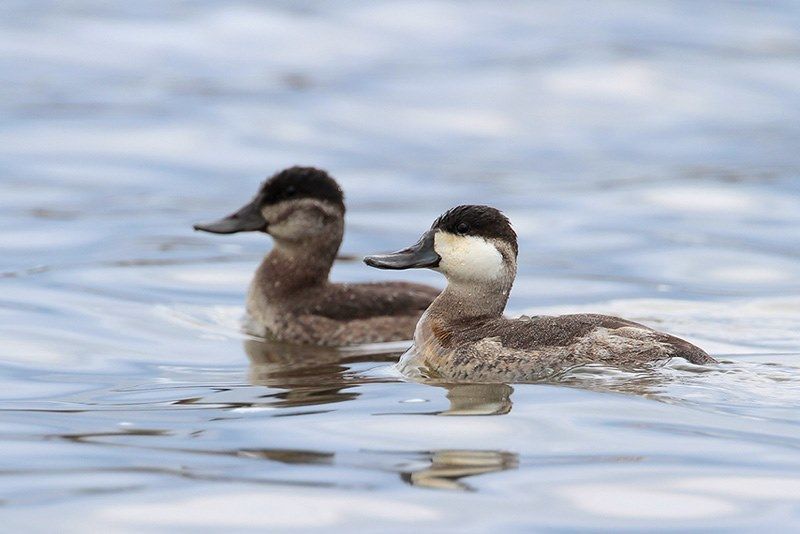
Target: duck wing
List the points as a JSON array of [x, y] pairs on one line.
[[590, 333], [346, 302]]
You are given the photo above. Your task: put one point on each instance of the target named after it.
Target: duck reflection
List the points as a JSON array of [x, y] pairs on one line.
[[478, 399], [443, 469], [448, 468], [310, 375], [290, 456]]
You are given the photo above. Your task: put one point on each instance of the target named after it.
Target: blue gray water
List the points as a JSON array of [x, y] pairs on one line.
[[647, 153]]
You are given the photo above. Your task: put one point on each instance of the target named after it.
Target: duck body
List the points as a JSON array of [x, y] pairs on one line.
[[535, 348], [311, 310], [464, 337], [291, 298]]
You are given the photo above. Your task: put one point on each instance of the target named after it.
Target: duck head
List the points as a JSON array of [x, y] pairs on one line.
[[468, 244], [294, 205]]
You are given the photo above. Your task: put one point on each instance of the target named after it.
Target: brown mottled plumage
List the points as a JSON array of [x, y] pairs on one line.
[[290, 297], [463, 336]]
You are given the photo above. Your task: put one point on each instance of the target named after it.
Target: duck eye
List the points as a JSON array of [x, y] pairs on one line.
[[462, 228], [290, 191]]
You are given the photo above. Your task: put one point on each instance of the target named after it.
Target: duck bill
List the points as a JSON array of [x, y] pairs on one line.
[[419, 256], [247, 219]]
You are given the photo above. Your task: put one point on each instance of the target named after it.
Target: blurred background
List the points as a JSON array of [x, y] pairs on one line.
[[646, 152], [651, 144]]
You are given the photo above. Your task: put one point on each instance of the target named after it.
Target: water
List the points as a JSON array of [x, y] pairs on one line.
[[646, 152]]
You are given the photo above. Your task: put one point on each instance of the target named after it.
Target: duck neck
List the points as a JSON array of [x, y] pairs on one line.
[[467, 302], [291, 267]]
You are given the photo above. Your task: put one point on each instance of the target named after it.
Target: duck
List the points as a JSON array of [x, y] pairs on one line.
[[291, 298], [464, 337]]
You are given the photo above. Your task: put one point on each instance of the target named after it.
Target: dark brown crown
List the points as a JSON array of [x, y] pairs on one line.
[[301, 182], [481, 221]]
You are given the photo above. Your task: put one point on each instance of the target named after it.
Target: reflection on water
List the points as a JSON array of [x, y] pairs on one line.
[[478, 399], [448, 468], [309, 375], [442, 469]]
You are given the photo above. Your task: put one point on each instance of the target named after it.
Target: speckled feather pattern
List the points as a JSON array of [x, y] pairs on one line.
[[536, 348]]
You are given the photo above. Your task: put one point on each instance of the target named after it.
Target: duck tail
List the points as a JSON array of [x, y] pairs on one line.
[[684, 349]]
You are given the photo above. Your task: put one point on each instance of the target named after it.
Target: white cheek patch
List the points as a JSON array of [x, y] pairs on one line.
[[468, 257]]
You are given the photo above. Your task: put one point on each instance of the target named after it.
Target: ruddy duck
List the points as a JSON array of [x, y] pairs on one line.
[[290, 297], [463, 336]]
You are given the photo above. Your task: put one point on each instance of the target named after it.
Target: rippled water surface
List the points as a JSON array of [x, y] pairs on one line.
[[646, 152]]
